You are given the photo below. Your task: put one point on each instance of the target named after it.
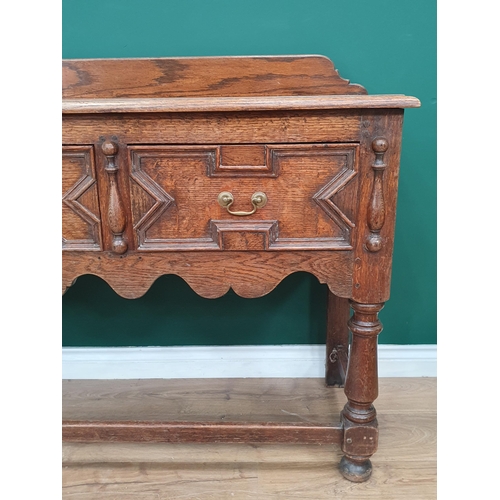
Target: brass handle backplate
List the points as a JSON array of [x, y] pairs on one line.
[[226, 199]]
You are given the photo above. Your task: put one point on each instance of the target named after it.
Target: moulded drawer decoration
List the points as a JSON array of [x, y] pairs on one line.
[[174, 196]]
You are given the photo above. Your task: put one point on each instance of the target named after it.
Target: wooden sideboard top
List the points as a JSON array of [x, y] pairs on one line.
[[214, 84]]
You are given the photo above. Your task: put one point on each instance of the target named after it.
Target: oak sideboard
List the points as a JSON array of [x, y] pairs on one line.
[[234, 172]]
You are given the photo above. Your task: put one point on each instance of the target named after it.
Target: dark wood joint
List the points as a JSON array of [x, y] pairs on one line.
[[360, 440]]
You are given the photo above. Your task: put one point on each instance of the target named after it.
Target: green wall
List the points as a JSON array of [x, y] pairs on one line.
[[388, 46]]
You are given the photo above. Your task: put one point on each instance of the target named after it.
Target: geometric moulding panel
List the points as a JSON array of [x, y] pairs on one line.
[[309, 187], [81, 222], [155, 172], [329, 207]]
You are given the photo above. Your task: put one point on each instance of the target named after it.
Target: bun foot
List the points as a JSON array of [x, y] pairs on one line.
[[357, 472]]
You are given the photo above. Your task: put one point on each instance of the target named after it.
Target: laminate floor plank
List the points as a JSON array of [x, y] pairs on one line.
[[404, 465], [279, 400], [243, 481]]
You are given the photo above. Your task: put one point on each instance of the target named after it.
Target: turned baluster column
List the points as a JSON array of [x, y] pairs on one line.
[[361, 388], [116, 211], [376, 208]]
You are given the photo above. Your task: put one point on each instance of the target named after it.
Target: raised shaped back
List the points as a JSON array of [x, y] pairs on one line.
[[204, 77]]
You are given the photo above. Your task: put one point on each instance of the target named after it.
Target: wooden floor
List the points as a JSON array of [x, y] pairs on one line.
[[404, 467]]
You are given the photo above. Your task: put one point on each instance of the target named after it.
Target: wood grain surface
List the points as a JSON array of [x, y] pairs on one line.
[[203, 76], [214, 128], [200, 104], [404, 465], [249, 274]]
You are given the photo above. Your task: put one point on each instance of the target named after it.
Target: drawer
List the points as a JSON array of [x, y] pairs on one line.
[[81, 219], [311, 192]]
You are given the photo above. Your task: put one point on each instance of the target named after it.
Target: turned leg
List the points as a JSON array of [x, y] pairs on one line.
[[361, 388], [337, 340]]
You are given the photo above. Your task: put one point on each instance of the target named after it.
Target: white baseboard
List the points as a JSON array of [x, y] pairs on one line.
[[297, 361]]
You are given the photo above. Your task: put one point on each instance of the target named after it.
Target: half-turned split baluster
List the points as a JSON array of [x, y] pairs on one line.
[[116, 211], [376, 208]]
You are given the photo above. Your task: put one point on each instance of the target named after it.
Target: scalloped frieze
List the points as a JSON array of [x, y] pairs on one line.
[[249, 274]]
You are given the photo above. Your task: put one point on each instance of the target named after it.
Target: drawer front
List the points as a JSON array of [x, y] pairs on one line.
[[311, 192], [81, 220]]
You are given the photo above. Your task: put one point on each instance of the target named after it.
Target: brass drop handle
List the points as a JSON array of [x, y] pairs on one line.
[[226, 199]]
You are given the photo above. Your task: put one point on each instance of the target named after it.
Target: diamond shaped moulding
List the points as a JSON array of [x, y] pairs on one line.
[[157, 172], [324, 197], [81, 220], [151, 208]]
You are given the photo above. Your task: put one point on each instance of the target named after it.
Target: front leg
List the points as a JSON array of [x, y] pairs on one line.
[[361, 388]]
